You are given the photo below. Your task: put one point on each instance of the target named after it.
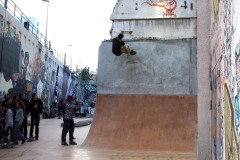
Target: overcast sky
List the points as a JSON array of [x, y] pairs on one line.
[[83, 24]]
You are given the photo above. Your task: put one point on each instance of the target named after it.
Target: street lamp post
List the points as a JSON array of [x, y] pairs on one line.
[[46, 23], [71, 56]]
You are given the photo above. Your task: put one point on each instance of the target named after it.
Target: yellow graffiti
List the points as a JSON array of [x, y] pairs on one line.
[[231, 151], [216, 10]]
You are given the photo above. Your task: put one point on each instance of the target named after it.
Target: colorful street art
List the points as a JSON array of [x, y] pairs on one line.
[[82, 92], [168, 5], [225, 75], [90, 92], [216, 10], [26, 67], [231, 146], [23, 71]]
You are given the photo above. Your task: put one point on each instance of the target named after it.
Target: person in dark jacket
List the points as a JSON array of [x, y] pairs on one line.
[[36, 108], [23, 128]]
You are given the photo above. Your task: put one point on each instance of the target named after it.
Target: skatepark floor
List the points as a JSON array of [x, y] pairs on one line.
[[49, 147]]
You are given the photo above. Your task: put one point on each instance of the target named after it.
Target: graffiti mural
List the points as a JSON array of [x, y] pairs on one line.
[[216, 10], [68, 85], [11, 64], [225, 69], [231, 147], [23, 71], [82, 92], [90, 91], [168, 5]]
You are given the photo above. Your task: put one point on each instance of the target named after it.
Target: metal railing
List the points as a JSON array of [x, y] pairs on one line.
[[16, 12]]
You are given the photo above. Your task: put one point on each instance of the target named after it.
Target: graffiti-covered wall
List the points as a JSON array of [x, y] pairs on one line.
[[26, 65], [225, 78], [73, 86], [154, 19]]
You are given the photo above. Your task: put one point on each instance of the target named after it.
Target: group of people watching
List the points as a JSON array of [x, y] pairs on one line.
[[14, 112]]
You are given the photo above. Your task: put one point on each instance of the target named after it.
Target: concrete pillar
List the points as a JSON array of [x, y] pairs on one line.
[[203, 71]]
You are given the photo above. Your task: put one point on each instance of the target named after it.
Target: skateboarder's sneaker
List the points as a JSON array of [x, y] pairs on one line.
[[72, 143], [133, 52], [64, 143]]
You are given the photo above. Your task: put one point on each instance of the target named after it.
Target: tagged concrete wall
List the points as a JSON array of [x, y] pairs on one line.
[[164, 20], [160, 67], [165, 29], [151, 9]]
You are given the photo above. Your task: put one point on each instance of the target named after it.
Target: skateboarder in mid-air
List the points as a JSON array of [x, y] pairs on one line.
[[119, 47]]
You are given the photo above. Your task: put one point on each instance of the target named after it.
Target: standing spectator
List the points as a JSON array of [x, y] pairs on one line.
[[23, 128], [8, 121], [36, 108], [81, 109], [9, 116], [68, 125], [15, 98], [18, 122], [6, 99], [1, 112], [9, 104], [92, 108], [2, 122], [2, 132], [85, 108]]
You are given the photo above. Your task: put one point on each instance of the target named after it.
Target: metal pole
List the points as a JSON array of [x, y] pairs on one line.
[[46, 23], [5, 4], [65, 59], [71, 62], [46, 26]]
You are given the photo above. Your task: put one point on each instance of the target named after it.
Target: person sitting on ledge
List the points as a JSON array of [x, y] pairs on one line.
[[119, 47]]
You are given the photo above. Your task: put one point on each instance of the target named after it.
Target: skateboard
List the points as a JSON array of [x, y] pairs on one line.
[[5, 146]]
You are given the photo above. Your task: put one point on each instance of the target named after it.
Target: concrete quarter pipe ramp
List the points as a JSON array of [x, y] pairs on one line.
[[139, 106], [149, 105]]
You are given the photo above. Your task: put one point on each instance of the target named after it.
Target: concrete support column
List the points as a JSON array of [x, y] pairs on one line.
[[204, 80]]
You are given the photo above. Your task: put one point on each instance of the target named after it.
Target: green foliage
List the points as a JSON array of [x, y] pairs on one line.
[[84, 75]]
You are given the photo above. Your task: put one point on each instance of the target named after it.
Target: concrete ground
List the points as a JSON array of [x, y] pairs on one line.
[[49, 147]]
